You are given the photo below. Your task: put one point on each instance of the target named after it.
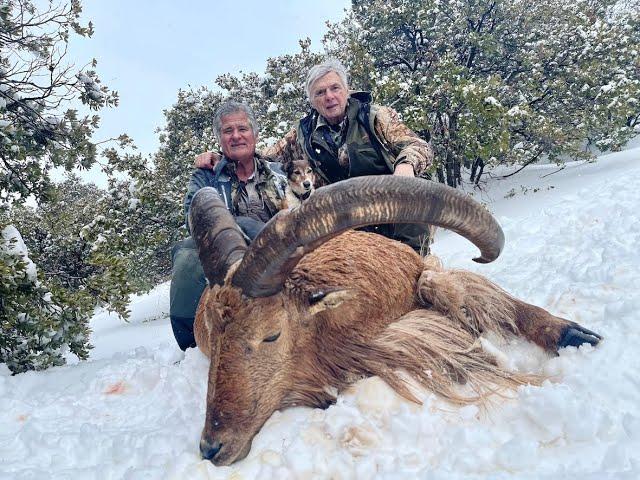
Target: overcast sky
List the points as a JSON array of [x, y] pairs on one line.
[[147, 50]]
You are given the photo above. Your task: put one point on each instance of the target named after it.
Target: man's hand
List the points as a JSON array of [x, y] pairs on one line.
[[206, 160], [404, 170]]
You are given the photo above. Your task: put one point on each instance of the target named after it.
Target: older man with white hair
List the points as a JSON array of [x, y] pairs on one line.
[[253, 190], [345, 135]]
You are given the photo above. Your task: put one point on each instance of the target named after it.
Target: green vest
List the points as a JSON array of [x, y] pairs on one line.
[[367, 154]]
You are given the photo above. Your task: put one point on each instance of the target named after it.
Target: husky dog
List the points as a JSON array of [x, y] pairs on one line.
[[301, 182]]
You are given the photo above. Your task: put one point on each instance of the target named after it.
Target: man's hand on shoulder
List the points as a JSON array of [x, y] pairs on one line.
[[206, 160]]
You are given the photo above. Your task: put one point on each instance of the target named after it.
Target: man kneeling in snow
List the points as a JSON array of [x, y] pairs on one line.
[[253, 190]]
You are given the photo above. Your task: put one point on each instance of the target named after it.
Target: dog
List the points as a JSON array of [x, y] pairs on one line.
[[301, 182]]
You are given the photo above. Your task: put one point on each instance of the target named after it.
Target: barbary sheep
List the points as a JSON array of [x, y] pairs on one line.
[[312, 305]]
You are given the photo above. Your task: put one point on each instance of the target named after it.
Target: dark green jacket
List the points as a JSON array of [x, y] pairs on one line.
[[366, 152]]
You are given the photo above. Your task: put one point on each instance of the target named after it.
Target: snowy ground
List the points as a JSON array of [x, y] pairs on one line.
[[132, 412]]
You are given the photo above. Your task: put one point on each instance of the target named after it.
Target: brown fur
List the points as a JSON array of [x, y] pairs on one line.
[[357, 306], [479, 305]]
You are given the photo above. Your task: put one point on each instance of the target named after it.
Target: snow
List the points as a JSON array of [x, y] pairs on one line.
[[515, 111], [133, 203], [492, 101], [136, 408], [12, 244], [287, 88]]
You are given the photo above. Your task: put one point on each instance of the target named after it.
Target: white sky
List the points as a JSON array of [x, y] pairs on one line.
[[147, 50]]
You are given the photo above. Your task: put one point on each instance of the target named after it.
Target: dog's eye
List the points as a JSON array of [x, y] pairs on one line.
[[309, 170], [272, 338]]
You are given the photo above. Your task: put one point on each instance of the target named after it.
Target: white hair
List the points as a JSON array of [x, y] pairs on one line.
[[320, 70], [229, 107]]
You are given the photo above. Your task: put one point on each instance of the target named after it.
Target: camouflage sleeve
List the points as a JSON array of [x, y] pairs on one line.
[[200, 178], [402, 142], [286, 149]]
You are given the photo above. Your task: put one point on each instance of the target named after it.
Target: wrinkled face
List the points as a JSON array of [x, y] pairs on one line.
[[301, 177], [250, 374], [237, 141], [329, 97]]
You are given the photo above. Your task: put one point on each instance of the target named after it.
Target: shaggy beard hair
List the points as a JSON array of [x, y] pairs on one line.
[[423, 347], [437, 347], [439, 355]]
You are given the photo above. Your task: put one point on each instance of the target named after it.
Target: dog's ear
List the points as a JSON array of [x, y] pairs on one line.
[[288, 168]]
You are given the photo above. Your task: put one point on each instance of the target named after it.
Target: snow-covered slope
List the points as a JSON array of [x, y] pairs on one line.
[[133, 412]]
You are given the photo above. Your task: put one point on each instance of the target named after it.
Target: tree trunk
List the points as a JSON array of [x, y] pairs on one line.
[[452, 159], [476, 170], [450, 167], [440, 173], [457, 171], [480, 173]]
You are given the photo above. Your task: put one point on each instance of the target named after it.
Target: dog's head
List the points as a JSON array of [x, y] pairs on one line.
[[301, 177]]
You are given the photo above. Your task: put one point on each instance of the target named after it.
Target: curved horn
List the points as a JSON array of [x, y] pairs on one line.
[[355, 203], [219, 239]]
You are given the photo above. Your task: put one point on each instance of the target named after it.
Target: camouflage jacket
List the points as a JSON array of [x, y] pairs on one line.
[[355, 152], [270, 184]]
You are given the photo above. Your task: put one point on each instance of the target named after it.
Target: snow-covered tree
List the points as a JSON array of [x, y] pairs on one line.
[[68, 270], [145, 216], [36, 329], [38, 130], [65, 237], [44, 311], [499, 81]]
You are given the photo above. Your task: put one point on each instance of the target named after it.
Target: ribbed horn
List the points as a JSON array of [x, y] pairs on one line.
[[355, 203], [219, 239]]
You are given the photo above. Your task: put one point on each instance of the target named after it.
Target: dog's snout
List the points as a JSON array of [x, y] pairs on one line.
[[306, 184]]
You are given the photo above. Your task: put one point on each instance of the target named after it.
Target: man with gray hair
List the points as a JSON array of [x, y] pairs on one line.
[[253, 190], [345, 135]]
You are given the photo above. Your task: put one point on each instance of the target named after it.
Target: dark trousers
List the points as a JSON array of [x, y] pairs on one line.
[[188, 282], [418, 237]]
